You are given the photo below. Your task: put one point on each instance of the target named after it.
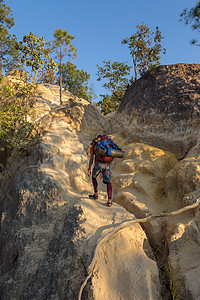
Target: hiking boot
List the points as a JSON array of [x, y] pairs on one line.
[[109, 203], [93, 196]]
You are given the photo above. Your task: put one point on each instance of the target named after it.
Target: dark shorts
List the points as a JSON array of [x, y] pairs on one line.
[[103, 168]]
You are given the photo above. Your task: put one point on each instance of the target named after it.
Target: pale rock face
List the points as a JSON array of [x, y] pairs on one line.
[[183, 184], [184, 255], [53, 227], [162, 110], [183, 181], [123, 270], [50, 228], [142, 173]]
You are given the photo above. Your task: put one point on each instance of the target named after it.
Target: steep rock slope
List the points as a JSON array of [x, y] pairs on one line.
[[162, 108], [50, 229]]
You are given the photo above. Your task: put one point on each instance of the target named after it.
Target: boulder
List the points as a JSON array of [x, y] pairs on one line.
[[162, 109]]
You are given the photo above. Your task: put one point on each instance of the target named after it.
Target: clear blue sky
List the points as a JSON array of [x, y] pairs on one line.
[[99, 27]]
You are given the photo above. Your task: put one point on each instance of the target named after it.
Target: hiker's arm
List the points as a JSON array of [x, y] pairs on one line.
[[90, 163]]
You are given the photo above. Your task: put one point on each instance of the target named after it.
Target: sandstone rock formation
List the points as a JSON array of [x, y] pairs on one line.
[[56, 243], [162, 108]]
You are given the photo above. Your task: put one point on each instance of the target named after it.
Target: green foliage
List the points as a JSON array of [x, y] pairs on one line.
[[17, 126], [174, 283], [192, 17], [36, 53], [46, 75], [63, 47], [91, 93], [63, 44], [6, 18], [116, 83], [76, 81], [8, 52], [145, 48], [107, 104]]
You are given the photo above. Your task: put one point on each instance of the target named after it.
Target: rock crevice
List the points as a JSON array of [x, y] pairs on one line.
[[50, 228]]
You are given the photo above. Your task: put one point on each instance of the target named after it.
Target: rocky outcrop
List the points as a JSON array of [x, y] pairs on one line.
[[49, 227], [162, 108], [124, 270], [39, 205], [56, 243]]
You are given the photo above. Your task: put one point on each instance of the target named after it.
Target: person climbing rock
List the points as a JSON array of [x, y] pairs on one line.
[[101, 167]]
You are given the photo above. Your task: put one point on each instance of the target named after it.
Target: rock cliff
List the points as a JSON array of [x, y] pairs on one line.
[[56, 243], [162, 108]]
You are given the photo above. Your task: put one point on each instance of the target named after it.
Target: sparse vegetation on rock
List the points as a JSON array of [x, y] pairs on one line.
[[55, 230]]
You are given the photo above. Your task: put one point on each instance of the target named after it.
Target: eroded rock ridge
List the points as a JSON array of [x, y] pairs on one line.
[[51, 231]]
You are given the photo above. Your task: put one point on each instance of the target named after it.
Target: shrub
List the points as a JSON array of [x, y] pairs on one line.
[[18, 128]]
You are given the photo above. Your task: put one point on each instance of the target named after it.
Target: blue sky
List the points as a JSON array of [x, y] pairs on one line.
[[99, 27]]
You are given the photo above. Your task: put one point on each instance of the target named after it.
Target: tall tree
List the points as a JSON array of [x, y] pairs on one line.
[[63, 47], [35, 53], [115, 74], [192, 17], [76, 81], [8, 52], [145, 48]]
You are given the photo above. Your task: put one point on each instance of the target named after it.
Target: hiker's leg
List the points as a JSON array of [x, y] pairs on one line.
[[109, 190], [95, 185], [107, 179], [106, 174], [95, 172]]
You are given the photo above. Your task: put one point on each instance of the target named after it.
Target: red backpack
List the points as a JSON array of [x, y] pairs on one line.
[[101, 158]]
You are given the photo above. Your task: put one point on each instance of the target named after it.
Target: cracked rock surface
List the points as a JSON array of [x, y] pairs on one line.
[[50, 228]]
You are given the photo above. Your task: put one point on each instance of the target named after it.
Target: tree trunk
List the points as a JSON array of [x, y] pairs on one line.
[[60, 86], [135, 67], [35, 77], [60, 76], [1, 60]]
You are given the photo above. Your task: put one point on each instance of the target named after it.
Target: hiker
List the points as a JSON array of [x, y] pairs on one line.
[[102, 168]]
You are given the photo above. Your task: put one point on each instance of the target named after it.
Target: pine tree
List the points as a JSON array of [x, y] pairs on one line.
[[63, 47]]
